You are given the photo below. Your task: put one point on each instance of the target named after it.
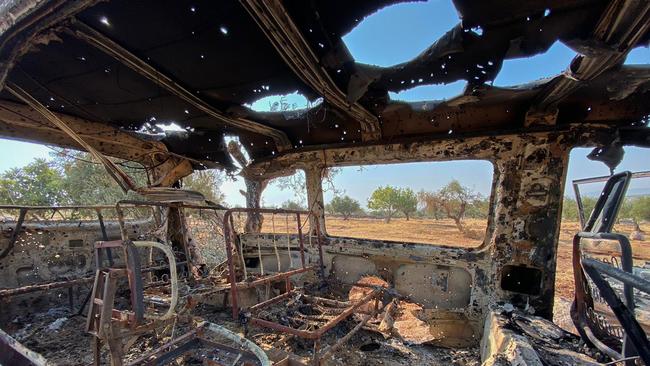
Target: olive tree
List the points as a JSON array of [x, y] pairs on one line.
[[345, 206], [385, 201]]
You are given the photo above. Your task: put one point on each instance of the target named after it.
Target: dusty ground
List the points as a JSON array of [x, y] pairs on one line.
[[439, 232]]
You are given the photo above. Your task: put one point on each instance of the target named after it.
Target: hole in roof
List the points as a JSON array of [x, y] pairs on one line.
[[400, 32], [281, 102], [227, 139], [638, 56], [545, 65], [430, 92]]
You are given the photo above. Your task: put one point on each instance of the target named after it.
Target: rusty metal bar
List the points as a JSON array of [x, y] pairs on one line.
[[346, 313], [330, 351], [271, 278], [271, 301], [151, 356], [301, 242], [282, 328], [320, 331], [230, 236], [6, 293]]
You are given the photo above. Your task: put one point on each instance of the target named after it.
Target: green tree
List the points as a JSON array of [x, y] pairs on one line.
[[430, 204], [37, 183], [87, 182], [345, 206], [570, 208], [292, 205], [454, 199], [206, 182], [640, 210], [478, 209], [384, 200], [407, 202]]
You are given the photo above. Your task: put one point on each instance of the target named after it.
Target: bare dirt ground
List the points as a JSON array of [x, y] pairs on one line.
[[444, 232], [428, 231]]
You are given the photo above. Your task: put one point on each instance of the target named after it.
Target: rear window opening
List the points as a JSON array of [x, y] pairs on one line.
[[442, 203]]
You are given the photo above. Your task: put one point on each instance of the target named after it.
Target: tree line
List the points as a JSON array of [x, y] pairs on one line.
[[636, 208], [453, 201], [72, 178]]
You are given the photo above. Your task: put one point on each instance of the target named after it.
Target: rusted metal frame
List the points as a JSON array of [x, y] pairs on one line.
[[227, 234], [584, 298], [330, 302], [69, 207], [7, 293], [271, 301], [133, 272], [276, 23], [301, 242], [633, 329], [273, 277], [333, 348], [320, 331], [616, 44], [152, 357], [100, 41], [234, 289], [625, 277], [230, 235], [628, 289], [14, 236]]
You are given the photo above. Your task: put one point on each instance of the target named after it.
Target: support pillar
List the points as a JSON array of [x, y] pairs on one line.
[[313, 177]]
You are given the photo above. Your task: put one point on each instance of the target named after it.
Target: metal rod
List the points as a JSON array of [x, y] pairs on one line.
[[627, 278], [5, 293], [301, 242]]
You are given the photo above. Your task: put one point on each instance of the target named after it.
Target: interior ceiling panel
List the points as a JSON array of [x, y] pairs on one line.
[[224, 55], [214, 47]]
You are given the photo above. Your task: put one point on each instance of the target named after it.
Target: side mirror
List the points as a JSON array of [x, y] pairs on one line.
[[609, 203]]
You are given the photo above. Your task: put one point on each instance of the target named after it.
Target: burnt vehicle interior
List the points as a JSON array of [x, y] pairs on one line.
[[131, 283]]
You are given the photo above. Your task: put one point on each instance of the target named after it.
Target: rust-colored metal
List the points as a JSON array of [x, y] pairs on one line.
[[5, 293], [230, 236], [316, 334]]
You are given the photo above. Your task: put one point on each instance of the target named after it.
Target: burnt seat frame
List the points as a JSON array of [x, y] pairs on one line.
[[231, 236], [251, 315]]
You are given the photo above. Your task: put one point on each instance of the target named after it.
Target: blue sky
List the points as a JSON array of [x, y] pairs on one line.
[[414, 27]]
